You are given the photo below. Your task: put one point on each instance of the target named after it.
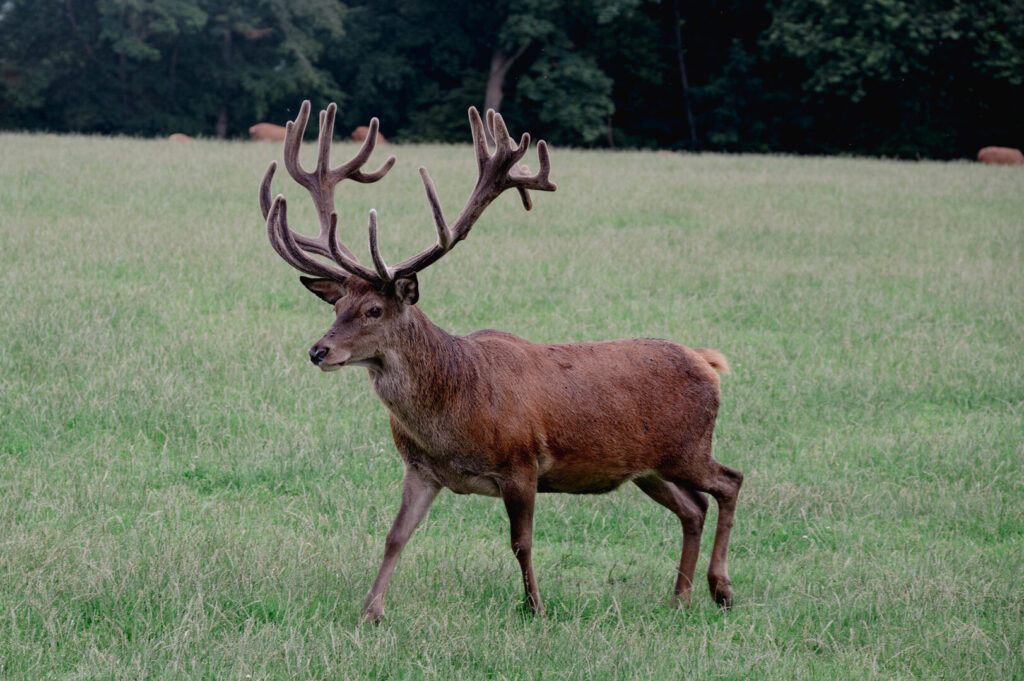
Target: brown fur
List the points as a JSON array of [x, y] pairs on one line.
[[179, 137], [360, 133], [1001, 156], [267, 132]]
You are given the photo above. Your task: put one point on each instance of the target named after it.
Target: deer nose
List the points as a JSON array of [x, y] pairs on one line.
[[317, 354]]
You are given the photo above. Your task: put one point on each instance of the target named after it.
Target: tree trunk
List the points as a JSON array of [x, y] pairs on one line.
[[222, 116], [222, 121], [122, 77], [684, 81], [496, 80], [77, 30], [500, 65], [172, 73]]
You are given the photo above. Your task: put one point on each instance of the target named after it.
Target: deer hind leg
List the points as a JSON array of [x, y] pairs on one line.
[[725, 488], [723, 483], [690, 507]]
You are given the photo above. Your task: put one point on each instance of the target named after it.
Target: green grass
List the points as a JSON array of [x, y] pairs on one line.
[[183, 496]]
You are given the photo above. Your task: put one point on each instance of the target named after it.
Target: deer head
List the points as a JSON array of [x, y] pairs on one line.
[[371, 303]]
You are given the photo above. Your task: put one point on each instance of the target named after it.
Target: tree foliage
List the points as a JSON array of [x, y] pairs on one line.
[[904, 77], [897, 77], [158, 66]]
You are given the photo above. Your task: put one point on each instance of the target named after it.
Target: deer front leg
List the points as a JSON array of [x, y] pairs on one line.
[[518, 496], [418, 494]]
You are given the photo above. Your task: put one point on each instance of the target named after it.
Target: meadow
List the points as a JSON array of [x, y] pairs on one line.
[[183, 496]]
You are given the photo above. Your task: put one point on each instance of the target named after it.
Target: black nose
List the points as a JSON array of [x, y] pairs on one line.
[[317, 354]]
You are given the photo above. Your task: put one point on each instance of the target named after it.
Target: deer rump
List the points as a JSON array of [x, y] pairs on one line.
[[587, 416]]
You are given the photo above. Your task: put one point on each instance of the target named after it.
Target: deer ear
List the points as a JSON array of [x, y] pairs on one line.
[[407, 289], [327, 289]]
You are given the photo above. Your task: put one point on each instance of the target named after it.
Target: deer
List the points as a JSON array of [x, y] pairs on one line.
[[1007, 156], [266, 132], [360, 133], [490, 413]]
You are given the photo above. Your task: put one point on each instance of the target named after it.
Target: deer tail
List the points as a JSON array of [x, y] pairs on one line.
[[714, 358]]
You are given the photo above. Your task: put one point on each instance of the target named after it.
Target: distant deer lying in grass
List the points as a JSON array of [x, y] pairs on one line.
[[493, 414], [267, 132], [1007, 156]]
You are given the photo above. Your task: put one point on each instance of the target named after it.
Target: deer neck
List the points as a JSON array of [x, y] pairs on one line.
[[422, 368]]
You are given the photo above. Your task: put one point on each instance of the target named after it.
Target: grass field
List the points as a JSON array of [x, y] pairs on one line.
[[182, 496]]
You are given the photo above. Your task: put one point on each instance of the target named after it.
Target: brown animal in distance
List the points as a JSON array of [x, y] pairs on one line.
[[360, 133], [267, 132], [490, 413], [1006, 156]]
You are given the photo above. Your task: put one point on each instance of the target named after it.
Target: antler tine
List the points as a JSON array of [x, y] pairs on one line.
[[519, 175], [523, 181], [323, 197], [344, 258], [352, 169], [524, 196], [444, 236], [294, 131], [264, 194], [502, 138], [378, 262], [483, 154], [283, 241], [496, 124], [325, 137]]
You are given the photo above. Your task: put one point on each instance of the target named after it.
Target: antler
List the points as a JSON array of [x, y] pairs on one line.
[[320, 182], [496, 173]]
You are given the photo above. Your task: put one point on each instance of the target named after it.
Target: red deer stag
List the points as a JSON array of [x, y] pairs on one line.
[[493, 414]]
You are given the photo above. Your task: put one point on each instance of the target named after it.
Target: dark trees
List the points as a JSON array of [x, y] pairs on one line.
[[908, 78], [157, 66]]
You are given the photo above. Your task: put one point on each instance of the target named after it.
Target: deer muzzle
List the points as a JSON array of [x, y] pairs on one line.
[[328, 359]]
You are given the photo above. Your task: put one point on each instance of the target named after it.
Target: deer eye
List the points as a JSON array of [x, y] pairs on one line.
[[374, 312]]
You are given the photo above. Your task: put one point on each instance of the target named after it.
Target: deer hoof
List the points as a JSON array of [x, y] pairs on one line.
[[721, 592], [534, 609], [371, 617], [682, 600]]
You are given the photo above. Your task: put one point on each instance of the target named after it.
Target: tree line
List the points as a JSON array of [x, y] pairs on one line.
[[903, 78]]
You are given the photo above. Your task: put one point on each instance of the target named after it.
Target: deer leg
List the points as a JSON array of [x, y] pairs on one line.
[[519, 497], [723, 483], [690, 507], [725, 489], [418, 494]]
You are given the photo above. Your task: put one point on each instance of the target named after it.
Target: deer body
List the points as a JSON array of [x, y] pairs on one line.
[[586, 416], [490, 413]]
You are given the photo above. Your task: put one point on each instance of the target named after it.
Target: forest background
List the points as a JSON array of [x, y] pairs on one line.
[[898, 78]]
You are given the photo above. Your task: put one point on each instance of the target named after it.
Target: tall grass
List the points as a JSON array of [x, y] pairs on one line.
[[183, 496]]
